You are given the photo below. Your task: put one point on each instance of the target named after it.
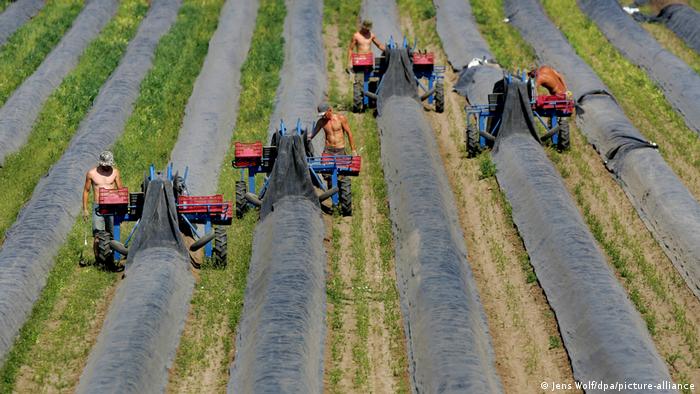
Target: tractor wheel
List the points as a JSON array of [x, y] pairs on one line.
[[220, 249], [104, 255], [345, 195], [439, 96], [473, 145], [564, 141], [357, 93], [241, 202]]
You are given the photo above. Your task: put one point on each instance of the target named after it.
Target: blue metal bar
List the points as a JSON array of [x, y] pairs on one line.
[[116, 235], [133, 230], [207, 230], [194, 229], [187, 171], [152, 172], [334, 183]]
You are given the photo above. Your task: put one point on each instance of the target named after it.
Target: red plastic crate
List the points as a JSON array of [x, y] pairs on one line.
[[247, 154], [362, 59], [424, 58], [199, 204], [556, 102], [113, 196]]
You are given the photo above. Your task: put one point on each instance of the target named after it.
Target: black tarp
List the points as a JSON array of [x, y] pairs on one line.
[[685, 22], [20, 111], [458, 33], [142, 329], [449, 347], [210, 116], [15, 15], [665, 205], [280, 339], [303, 75], [604, 335], [27, 254], [679, 83]]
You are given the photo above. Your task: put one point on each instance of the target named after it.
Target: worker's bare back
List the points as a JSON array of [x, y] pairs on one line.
[[103, 177]]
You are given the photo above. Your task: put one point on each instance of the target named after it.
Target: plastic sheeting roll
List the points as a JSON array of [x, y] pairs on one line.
[[30, 245], [280, 340], [685, 22], [20, 111], [17, 14], [449, 347], [665, 205], [211, 112], [680, 84], [303, 75], [461, 41], [604, 335], [139, 338]]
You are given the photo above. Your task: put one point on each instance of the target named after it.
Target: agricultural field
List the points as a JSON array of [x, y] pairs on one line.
[[431, 254]]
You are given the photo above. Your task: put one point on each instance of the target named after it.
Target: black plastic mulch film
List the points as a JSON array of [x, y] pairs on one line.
[[280, 338], [449, 347], [677, 16], [20, 111], [604, 336], [15, 15], [30, 246], [665, 205], [680, 84], [210, 116], [158, 284], [142, 329], [685, 22]]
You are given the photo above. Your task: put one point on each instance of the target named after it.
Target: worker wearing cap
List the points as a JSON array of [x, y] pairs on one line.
[[362, 40], [105, 176], [335, 127]]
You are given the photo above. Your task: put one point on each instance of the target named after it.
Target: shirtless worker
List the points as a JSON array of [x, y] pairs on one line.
[[548, 78], [335, 127], [362, 40], [106, 176]]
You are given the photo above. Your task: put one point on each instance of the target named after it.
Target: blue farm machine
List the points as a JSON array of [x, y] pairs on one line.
[[369, 71], [330, 173], [119, 206], [552, 112]]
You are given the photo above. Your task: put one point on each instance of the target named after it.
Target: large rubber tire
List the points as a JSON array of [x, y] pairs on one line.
[[357, 93], [345, 195], [439, 97], [564, 141], [472, 137], [104, 255], [241, 202], [220, 247]]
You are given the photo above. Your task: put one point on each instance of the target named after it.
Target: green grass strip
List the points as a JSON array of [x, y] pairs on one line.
[[642, 101], [26, 48], [63, 111], [218, 299], [510, 50], [4, 4], [149, 136]]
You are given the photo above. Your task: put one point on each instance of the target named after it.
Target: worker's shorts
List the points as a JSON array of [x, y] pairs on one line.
[[101, 223], [334, 151]]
